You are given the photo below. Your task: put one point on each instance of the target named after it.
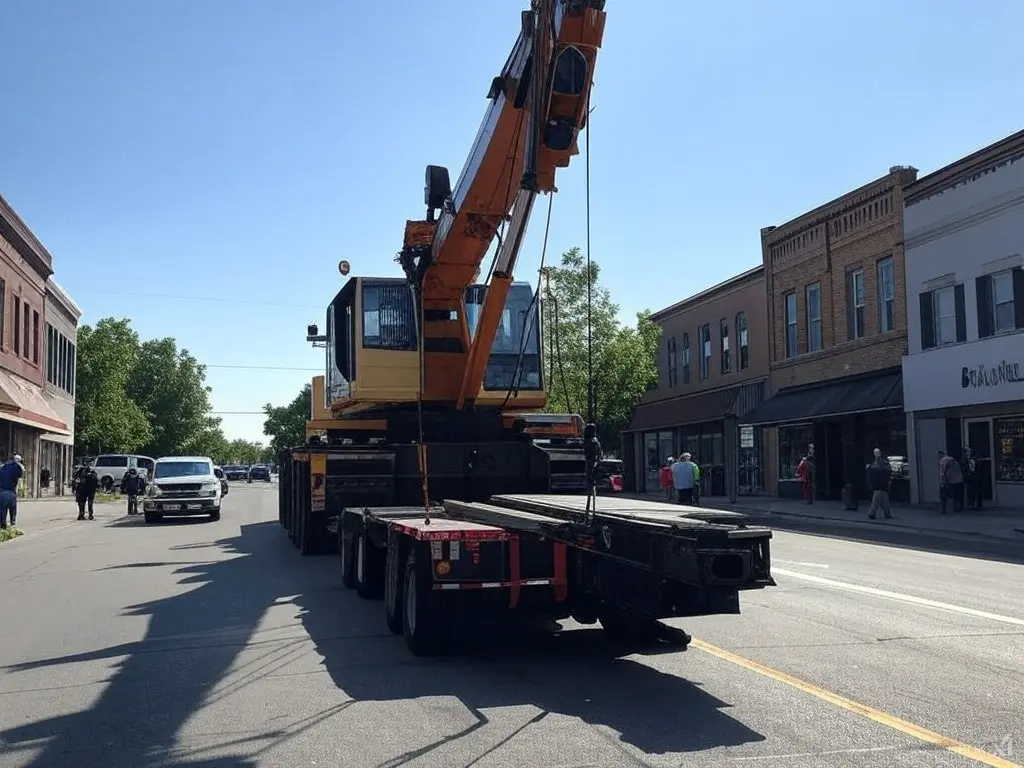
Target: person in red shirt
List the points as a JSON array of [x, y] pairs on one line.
[[805, 475], [665, 479]]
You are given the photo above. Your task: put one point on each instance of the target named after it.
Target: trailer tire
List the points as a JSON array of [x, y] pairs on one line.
[[346, 552], [394, 582], [423, 620], [369, 581]]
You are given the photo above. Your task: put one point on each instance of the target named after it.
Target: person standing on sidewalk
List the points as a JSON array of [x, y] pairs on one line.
[[683, 478], [972, 479], [665, 478], [805, 474], [879, 477], [10, 475], [88, 484], [951, 479]]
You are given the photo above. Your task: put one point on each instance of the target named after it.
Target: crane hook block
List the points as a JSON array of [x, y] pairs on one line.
[[438, 187]]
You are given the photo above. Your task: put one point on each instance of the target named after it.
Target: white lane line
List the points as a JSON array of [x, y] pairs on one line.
[[922, 601], [798, 562], [794, 755]]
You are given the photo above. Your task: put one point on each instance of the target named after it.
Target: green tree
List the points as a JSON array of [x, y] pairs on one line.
[[241, 451], [624, 357], [286, 424], [107, 418], [169, 386]]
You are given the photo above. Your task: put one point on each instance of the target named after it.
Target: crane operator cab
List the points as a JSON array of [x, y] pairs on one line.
[[373, 361]]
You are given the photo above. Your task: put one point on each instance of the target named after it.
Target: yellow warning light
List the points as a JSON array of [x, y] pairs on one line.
[[344, 267], [443, 568]]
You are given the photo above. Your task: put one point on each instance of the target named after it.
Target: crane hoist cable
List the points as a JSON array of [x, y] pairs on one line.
[[591, 443], [528, 319]]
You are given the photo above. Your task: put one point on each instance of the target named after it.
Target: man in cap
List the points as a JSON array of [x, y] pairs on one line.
[[10, 474]]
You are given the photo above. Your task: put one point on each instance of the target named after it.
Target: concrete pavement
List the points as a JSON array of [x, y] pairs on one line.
[[215, 644]]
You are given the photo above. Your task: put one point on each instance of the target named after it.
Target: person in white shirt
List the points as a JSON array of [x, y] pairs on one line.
[[684, 476]]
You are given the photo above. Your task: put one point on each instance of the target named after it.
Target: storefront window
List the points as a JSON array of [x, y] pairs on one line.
[[1009, 434], [749, 462], [793, 443], [651, 463], [888, 432]]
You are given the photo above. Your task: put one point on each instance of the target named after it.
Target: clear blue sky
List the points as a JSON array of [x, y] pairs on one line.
[[237, 150]]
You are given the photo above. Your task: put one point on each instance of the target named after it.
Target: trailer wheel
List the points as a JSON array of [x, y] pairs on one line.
[[394, 582], [346, 552], [423, 621], [368, 574], [624, 626]]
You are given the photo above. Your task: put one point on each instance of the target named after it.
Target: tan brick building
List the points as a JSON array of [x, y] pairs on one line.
[[713, 369], [837, 310]]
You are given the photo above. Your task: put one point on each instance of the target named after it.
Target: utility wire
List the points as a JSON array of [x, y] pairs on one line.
[[263, 368], [208, 299]]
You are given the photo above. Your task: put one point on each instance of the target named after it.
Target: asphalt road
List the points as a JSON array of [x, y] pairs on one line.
[[216, 644]]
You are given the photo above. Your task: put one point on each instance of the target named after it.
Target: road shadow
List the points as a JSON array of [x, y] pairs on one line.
[[978, 547], [138, 521], [156, 684], [194, 638]]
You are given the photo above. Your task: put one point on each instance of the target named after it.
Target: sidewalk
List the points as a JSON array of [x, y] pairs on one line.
[[990, 523], [37, 516]]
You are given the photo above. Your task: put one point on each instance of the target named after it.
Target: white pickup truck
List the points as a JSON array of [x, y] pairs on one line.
[[183, 485]]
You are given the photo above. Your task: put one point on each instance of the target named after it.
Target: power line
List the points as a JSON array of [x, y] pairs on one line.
[[237, 413], [208, 299]]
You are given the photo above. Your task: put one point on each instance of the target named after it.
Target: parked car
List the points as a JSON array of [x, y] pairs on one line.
[[236, 472], [259, 472], [111, 467]]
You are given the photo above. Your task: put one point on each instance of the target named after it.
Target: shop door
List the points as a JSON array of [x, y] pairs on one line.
[[978, 437]]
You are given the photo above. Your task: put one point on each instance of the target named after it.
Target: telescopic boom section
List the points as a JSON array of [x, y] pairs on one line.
[[538, 105]]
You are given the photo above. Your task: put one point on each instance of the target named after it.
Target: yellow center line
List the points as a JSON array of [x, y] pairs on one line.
[[883, 718]]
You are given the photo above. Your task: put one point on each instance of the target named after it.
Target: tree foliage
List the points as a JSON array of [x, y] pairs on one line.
[[623, 356], [141, 397], [246, 452], [286, 424], [106, 418]]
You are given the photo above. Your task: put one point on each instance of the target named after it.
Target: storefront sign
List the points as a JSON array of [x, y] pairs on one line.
[[986, 376], [978, 373]]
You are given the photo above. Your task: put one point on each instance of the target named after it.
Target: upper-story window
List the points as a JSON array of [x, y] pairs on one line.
[[855, 304], [60, 360], [1000, 302], [814, 334], [686, 358], [726, 357], [790, 325], [673, 372], [943, 316], [742, 353], [886, 295], [705, 351]]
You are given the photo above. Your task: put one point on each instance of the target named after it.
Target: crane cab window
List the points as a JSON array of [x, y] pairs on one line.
[[515, 355], [389, 320]]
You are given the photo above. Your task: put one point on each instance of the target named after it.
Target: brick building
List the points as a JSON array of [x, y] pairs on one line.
[[712, 369], [837, 310], [25, 414]]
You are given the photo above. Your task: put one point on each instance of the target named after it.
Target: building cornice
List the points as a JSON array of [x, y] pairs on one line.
[[967, 169], [63, 299], [24, 242], [708, 294], [899, 175]]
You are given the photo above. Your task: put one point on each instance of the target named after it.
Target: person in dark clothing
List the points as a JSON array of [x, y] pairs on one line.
[[879, 478], [85, 494], [132, 486], [973, 482], [10, 475]]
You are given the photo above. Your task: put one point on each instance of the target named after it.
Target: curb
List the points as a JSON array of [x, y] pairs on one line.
[[875, 525]]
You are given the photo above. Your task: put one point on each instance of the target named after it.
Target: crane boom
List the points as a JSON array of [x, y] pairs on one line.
[[538, 105]]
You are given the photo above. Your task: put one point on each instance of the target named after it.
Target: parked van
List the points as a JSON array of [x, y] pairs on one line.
[[111, 467]]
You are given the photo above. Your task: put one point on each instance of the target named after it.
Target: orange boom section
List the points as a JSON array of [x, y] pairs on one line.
[[538, 105]]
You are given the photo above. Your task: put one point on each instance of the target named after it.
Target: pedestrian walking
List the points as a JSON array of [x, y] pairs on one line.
[[85, 494], [10, 475], [879, 477], [132, 486], [951, 479], [684, 479]]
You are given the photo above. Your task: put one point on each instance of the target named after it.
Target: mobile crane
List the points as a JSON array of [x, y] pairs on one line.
[[429, 465]]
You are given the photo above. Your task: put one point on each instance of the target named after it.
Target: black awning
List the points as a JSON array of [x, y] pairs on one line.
[[837, 398], [696, 409]]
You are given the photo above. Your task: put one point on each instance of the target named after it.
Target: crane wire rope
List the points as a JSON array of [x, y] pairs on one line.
[[592, 445], [528, 320]]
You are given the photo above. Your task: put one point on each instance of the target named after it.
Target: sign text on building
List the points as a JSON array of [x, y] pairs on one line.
[[981, 376]]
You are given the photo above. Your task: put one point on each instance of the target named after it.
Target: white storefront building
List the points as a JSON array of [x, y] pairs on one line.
[[964, 377]]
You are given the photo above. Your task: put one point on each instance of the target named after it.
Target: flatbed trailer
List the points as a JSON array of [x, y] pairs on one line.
[[627, 566]]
